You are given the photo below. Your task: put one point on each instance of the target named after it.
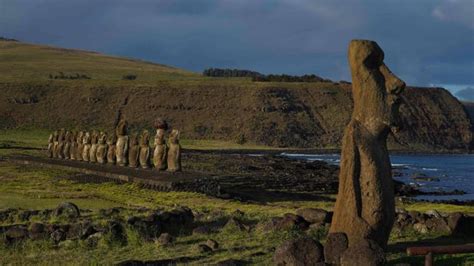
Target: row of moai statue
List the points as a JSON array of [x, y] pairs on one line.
[[118, 148]]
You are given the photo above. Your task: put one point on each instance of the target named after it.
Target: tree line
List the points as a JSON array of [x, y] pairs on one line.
[[256, 76]]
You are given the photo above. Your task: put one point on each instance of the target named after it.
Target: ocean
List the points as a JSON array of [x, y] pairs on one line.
[[435, 172]]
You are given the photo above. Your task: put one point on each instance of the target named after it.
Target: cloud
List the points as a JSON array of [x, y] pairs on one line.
[[466, 94], [424, 41]]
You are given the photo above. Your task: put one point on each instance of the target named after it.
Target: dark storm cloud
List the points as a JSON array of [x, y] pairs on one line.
[[426, 42], [466, 94]]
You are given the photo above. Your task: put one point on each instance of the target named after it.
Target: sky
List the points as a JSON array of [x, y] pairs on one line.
[[426, 42]]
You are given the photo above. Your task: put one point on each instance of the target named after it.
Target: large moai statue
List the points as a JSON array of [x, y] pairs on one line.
[[67, 145], [160, 151], [80, 145], [174, 152], [55, 143], [133, 151], [60, 146], [111, 147], [144, 157], [51, 145], [73, 149], [365, 206], [93, 150], [101, 154], [86, 142], [121, 150]]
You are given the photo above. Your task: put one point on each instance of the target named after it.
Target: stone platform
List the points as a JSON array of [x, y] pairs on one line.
[[149, 178]]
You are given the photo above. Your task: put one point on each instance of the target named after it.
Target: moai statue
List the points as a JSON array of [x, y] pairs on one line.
[[72, 150], [60, 147], [67, 145], [111, 147], [365, 206], [133, 151], [86, 142], [174, 152], [93, 150], [160, 150], [101, 148], [144, 156], [80, 145], [50, 145], [121, 151], [55, 143]]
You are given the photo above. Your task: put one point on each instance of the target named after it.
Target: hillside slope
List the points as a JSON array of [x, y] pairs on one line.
[[310, 115]]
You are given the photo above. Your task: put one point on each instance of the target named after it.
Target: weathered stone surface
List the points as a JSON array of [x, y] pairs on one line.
[[335, 246], [55, 144], [73, 149], [67, 209], [86, 146], [235, 224], [461, 225], [202, 230], [121, 150], [67, 145], [174, 152], [292, 221], [102, 148], [80, 145], [16, 233], [202, 248], [314, 215], [111, 147], [165, 239], [365, 206], [117, 233], [212, 244], [50, 149], [38, 231], [363, 253], [144, 157], [160, 151], [58, 236], [93, 149], [133, 151], [299, 252], [60, 145]]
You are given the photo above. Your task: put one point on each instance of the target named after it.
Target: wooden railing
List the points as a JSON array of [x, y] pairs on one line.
[[429, 252]]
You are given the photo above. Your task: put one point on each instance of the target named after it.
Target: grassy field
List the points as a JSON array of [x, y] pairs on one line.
[[29, 187]]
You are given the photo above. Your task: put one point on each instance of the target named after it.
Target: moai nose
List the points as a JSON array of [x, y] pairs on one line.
[[393, 84]]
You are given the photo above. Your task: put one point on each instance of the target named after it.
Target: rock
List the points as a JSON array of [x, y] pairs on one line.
[[133, 151], [202, 230], [174, 152], [212, 244], [335, 246], [58, 236], [314, 215], [144, 154], [87, 230], [202, 248], [433, 213], [15, 234], [121, 146], [117, 233], [365, 180], [38, 231], [420, 228], [303, 251], [67, 209], [461, 225], [25, 215], [165, 239], [363, 253], [160, 150], [292, 221], [93, 240], [437, 224]]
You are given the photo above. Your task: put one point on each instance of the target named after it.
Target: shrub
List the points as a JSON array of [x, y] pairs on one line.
[[129, 77]]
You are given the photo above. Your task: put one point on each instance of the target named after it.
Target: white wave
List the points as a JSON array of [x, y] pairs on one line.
[[429, 169]]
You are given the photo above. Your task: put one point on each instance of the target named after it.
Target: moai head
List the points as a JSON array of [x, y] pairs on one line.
[[145, 138], [94, 137], [133, 139], [121, 129], [102, 138], [160, 136], [86, 139], [174, 136], [376, 90], [56, 135], [62, 133], [112, 139], [161, 123]]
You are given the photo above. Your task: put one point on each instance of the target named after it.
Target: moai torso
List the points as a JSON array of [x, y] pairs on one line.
[[86, 142], [121, 151], [60, 146], [365, 206], [111, 147], [93, 149], [80, 145], [102, 148], [144, 156], [174, 152], [160, 151], [73, 149], [67, 145], [133, 151], [50, 145]]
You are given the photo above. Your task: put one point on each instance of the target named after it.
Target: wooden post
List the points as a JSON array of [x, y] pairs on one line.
[[429, 259]]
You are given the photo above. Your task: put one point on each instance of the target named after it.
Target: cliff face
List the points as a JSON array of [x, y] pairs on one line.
[[276, 114]]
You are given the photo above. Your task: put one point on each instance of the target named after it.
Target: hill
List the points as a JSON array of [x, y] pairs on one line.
[[310, 115]]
